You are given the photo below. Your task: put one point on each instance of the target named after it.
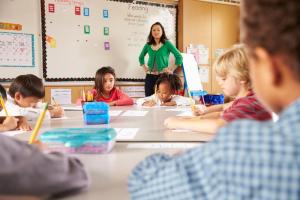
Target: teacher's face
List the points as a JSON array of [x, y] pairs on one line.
[[156, 32]]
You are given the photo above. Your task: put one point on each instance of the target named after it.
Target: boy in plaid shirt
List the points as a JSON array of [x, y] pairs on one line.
[[247, 159]]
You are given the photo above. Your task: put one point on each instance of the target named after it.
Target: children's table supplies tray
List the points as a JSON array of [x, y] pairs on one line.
[[96, 113], [80, 140]]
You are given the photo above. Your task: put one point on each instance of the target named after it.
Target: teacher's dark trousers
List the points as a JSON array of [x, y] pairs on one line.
[[150, 84]]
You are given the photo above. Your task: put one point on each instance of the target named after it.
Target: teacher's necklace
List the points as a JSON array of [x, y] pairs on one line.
[[156, 46]]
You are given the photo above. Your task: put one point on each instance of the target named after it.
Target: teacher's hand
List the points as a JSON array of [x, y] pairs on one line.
[[146, 68], [168, 70]]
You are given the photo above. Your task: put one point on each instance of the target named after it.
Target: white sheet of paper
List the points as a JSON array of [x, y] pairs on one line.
[[134, 113], [114, 113], [12, 133], [180, 109], [61, 96], [204, 74], [162, 145], [191, 73], [186, 114], [181, 130], [126, 133], [72, 108]]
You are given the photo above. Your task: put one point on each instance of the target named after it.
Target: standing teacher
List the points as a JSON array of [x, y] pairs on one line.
[[158, 48]]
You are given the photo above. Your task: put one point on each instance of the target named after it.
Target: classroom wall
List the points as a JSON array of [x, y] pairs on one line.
[[28, 14], [211, 24]]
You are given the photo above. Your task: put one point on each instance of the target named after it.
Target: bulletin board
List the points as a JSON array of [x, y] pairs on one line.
[[83, 35], [16, 49], [20, 39]]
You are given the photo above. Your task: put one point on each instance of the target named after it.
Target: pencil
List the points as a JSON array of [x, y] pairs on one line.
[[192, 100], [203, 99], [155, 94], [54, 101], [83, 95], [3, 105], [38, 125]]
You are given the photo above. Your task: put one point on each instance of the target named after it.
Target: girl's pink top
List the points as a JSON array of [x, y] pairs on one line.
[[116, 94]]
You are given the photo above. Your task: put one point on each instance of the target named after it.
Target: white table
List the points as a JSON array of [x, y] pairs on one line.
[[109, 172]]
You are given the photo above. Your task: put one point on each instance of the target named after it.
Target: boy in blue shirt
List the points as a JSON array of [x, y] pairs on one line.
[[247, 159]]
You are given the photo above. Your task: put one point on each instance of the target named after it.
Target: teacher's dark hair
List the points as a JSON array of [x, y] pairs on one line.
[[163, 38]]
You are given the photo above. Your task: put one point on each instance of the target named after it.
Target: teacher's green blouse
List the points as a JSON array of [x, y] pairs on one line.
[[160, 56]]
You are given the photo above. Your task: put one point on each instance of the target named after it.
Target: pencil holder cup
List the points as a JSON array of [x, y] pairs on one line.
[[96, 113]]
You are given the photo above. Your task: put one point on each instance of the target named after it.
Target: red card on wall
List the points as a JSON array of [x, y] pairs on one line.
[[51, 7], [77, 10]]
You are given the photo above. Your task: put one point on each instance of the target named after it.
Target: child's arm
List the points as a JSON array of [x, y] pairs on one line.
[[123, 99], [170, 103], [212, 115], [202, 109], [9, 123], [147, 101], [195, 123], [183, 101], [23, 124], [32, 172]]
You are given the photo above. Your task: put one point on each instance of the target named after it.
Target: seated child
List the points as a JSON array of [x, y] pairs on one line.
[[105, 90], [27, 171], [8, 123], [166, 87], [232, 69], [23, 100]]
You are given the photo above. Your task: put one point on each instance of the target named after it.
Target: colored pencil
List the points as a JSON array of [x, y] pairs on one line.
[[38, 125]]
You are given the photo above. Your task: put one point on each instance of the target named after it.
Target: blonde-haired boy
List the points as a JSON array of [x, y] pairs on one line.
[[232, 69]]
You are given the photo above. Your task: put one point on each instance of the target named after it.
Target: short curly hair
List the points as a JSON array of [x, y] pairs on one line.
[[274, 26]]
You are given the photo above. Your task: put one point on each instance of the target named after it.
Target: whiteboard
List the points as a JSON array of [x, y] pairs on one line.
[[191, 73], [84, 35]]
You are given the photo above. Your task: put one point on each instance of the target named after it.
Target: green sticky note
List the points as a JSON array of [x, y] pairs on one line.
[[106, 31], [86, 29]]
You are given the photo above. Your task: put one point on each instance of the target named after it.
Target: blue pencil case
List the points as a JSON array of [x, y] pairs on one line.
[[213, 99], [80, 140], [96, 113]]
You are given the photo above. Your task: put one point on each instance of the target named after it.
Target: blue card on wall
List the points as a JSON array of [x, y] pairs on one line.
[[105, 13], [86, 11]]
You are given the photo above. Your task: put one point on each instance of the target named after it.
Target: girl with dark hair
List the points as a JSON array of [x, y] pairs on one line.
[[158, 49], [105, 90], [166, 88]]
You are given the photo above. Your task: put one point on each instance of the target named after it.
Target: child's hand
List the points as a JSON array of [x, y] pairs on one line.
[[170, 103], [113, 103], [149, 103], [41, 146], [56, 112], [23, 124], [10, 123], [199, 110], [172, 122]]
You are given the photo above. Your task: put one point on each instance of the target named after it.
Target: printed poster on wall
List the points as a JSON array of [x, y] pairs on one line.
[[16, 50]]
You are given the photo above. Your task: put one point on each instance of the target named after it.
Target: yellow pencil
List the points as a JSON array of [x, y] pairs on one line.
[[38, 125], [192, 100], [3, 105]]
